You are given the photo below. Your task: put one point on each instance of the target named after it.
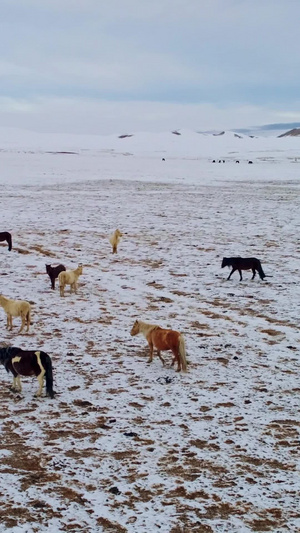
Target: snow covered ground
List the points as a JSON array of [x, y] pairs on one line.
[[120, 448]]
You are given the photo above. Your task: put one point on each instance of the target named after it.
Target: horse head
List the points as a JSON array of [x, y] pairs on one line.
[[224, 262], [135, 328]]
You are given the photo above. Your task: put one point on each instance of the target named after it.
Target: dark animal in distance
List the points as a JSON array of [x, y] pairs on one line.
[[28, 363], [53, 272], [6, 236], [244, 263], [250, 162]]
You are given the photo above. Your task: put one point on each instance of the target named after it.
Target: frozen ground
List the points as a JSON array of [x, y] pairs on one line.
[[119, 449]]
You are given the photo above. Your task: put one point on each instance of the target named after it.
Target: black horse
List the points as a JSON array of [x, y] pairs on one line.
[[5, 236], [244, 263], [53, 272], [28, 363]]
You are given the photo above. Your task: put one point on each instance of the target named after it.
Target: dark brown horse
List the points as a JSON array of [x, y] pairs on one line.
[[53, 272], [244, 263], [28, 363], [5, 236]]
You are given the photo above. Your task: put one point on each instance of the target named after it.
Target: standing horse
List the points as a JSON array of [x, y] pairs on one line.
[[114, 240], [53, 272], [16, 308], [5, 236], [28, 363], [162, 339]]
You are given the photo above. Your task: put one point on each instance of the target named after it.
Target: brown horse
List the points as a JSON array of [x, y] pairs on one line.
[[28, 363], [5, 236], [162, 339]]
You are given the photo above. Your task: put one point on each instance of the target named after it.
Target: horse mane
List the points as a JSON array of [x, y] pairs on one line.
[[149, 327]]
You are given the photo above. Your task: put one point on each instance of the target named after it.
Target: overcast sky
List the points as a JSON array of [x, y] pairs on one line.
[[121, 66]]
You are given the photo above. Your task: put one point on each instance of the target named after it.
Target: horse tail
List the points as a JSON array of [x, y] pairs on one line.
[[262, 275], [28, 317], [182, 353], [9, 242], [47, 364]]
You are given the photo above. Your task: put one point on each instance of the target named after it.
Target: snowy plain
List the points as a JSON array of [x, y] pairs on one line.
[[120, 448]]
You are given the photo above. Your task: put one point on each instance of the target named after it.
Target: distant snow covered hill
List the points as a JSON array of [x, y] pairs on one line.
[[178, 143]]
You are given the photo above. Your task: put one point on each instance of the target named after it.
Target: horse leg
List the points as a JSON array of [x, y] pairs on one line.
[[75, 287], [151, 352], [16, 386], [241, 277], [62, 290], [176, 358], [9, 320], [23, 318], [233, 270], [254, 272], [40, 378], [114, 249], [161, 358], [52, 282]]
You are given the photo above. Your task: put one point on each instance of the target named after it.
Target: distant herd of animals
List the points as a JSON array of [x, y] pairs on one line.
[[223, 161], [38, 363]]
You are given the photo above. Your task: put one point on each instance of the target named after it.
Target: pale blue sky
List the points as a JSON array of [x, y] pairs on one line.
[[87, 66]]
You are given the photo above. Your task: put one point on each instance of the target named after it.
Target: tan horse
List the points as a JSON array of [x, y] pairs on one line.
[[162, 339], [16, 308], [114, 240], [69, 277]]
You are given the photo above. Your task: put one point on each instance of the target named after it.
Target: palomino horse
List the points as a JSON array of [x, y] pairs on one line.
[[16, 308], [28, 363], [114, 240], [5, 236], [162, 339]]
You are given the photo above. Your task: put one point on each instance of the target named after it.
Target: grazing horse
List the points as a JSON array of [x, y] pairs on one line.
[[53, 272], [114, 240], [244, 263], [16, 308], [5, 236], [28, 363], [162, 339]]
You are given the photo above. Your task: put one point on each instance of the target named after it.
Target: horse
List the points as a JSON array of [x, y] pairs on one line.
[[246, 263], [16, 308], [6, 236], [28, 363], [114, 240], [53, 272], [162, 339], [69, 277]]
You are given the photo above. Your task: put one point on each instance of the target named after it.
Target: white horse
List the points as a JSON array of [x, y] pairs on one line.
[[16, 308]]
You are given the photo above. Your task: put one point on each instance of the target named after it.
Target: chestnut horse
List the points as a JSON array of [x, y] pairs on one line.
[[28, 363], [5, 236], [162, 339]]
